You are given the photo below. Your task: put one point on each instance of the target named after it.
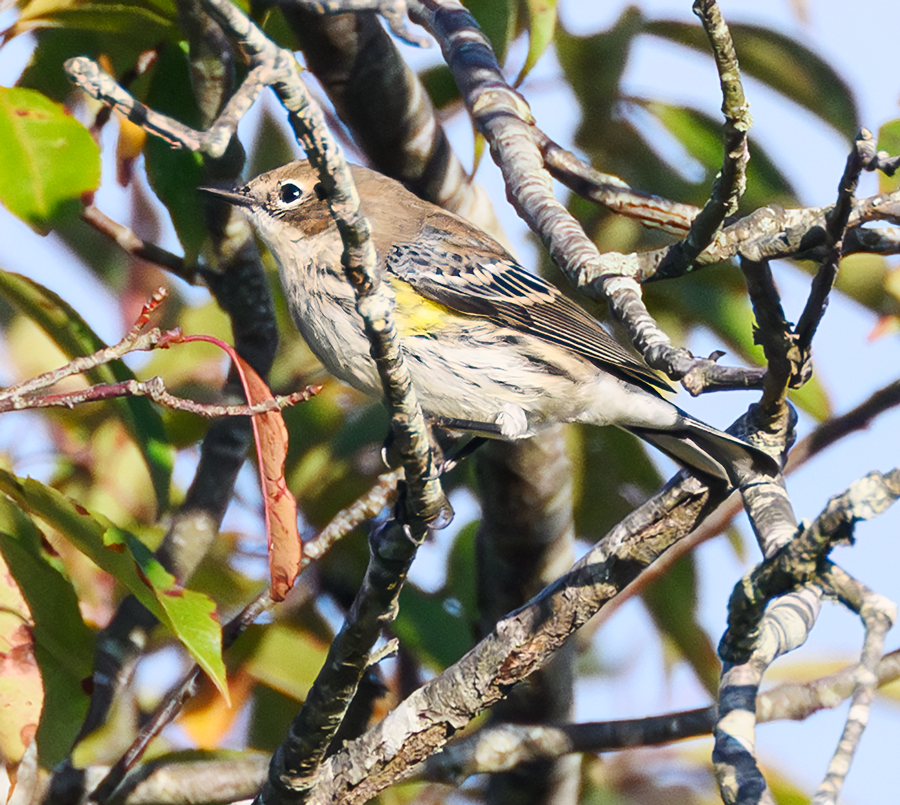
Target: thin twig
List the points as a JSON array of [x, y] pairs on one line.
[[131, 244], [154, 388], [878, 615], [731, 182], [836, 224]]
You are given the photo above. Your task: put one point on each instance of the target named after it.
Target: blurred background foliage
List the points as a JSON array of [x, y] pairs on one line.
[[130, 461]]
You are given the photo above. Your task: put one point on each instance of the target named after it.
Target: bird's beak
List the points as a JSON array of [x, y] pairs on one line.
[[237, 198]]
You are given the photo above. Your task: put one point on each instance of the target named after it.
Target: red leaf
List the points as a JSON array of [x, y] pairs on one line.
[[285, 547]]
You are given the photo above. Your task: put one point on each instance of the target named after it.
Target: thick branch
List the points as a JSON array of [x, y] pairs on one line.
[[520, 643]]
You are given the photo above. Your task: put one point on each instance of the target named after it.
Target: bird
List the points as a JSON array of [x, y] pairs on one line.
[[492, 349]]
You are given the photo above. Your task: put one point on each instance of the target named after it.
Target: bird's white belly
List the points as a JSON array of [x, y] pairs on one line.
[[477, 372]]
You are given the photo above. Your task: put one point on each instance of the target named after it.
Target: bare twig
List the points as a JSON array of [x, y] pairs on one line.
[[393, 11], [748, 649], [502, 115], [862, 154], [213, 143], [878, 615], [155, 389], [774, 332], [768, 233], [731, 182], [505, 746], [131, 244], [136, 340], [799, 700]]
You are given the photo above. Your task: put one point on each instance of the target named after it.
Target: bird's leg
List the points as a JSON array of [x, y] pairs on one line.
[[448, 447]]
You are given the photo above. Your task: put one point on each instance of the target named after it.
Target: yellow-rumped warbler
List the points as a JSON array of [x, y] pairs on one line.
[[491, 348]]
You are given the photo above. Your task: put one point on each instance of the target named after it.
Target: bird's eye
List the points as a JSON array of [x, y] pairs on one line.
[[289, 193]]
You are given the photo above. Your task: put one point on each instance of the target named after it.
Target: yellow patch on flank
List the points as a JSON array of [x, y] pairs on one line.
[[417, 315]]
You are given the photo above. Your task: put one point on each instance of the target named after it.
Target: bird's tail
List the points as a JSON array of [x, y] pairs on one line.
[[698, 446]]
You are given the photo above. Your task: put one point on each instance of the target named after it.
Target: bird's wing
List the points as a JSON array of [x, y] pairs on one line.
[[455, 265]]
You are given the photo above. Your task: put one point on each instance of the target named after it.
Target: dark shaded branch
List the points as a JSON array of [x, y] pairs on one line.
[[383, 103], [774, 332], [393, 11], [500, 748], [524, 542], [134, 246], [836, 224], [294, 772]]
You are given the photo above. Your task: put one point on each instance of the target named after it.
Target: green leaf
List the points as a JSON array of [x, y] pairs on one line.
[[430, 628], [785, 790], [174, 174], [864, 278], [120, 52], [461, 572], [73, 336], [285, 658], [889, 141], [497, 19], [613, 475], [701, 137], [541, 27], [440, 86], [189, 615], [64, 645], [781, 63], [152, 20], [594, 65], [48, 160], [672, 602]]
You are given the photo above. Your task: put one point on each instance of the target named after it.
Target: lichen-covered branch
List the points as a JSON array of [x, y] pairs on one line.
[[731, 182], [760, 631], [519, 644]]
